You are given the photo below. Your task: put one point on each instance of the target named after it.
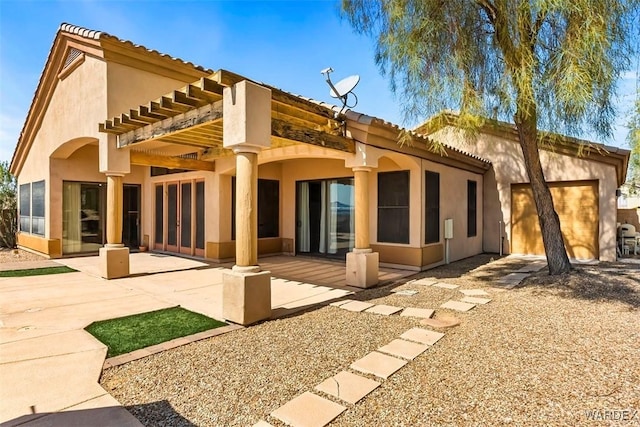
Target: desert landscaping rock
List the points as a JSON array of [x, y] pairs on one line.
[[476, 300], [347, 386], [422, 336], [445, 285], [385, 310], [441, 322], [423, 313], [474, 292], [355, 306], [425, 282], [509, 360], [404, 349], [405, 292], [457, 305], [378, 364], [308, 410]]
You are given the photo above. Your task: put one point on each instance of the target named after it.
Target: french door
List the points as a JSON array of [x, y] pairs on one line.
[[325, 217], [179, 217]]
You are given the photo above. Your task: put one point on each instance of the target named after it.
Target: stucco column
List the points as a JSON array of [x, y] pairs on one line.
[[114, 257], [114, 210], [246, 210], [246, 290], [361, 184]]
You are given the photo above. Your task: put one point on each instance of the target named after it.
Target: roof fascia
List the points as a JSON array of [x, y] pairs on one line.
[[557, 143]]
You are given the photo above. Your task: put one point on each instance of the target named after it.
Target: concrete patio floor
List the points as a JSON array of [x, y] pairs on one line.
[[49, 366]]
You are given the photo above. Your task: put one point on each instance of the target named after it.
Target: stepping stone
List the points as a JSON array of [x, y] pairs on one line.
[[441, 322], [476, 300], [378, 364], [474, 292], [262, 423], [457, 305], [406, 292], [423, 313], [348, 387], [445, 285], [339, 303], [385, 310], [533, 267], [423, 336], [356, 306], [308, 410], [425, 282], [513, 278], [404, 349]]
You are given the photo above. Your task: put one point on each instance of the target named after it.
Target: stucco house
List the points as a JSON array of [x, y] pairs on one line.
[[124, 146], [583, 176]]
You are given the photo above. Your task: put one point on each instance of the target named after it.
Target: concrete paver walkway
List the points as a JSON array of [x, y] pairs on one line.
[[49, 366]]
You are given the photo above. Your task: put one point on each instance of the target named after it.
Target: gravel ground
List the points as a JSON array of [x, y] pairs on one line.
[[543, 353], [17, 255]]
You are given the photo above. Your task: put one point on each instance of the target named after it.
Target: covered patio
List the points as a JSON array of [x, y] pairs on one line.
[[228, 125]]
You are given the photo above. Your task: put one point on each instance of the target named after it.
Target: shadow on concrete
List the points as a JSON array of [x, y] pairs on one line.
[[115, 416]]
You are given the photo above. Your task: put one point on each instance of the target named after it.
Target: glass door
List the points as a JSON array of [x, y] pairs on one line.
[[83, 213], [324, 217]]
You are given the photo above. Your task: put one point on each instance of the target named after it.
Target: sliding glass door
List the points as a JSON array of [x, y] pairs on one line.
[[325, 217], [83, 214]]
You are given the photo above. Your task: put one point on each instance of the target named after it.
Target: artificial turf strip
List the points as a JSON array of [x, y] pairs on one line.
[[37, 271], [130, 333]]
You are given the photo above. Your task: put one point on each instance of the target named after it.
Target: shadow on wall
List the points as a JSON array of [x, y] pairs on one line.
[[156, 413]]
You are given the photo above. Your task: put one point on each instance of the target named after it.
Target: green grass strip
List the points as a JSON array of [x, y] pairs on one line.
[[37, 271], [130, 333]]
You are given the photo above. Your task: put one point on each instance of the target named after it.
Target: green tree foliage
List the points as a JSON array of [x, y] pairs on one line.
[[633, 177], [8, 207], [547, 64]]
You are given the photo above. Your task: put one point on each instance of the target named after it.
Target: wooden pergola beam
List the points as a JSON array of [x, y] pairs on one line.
[[286, 130], [143, 159], [173, 125]]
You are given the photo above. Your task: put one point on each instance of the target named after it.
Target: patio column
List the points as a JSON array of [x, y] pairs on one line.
[[362, 262], [246, 290], [114, 163]]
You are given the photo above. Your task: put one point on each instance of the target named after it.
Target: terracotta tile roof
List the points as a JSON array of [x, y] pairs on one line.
[[98, 35]]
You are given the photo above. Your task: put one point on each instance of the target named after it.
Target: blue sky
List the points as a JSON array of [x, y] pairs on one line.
[[283, 43]]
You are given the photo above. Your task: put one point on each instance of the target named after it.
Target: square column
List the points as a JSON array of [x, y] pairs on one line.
[[362, 262], [114, 257], [246, 290]]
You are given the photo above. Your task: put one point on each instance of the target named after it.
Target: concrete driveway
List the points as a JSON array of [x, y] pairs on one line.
[[49, 366]]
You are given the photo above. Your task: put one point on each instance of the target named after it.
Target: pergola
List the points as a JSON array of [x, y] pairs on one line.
[[224, 115]]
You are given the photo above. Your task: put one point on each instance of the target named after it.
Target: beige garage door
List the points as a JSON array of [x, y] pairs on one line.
[[577, 205]]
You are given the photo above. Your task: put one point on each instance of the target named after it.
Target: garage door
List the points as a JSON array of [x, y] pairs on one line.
[[576, 203]]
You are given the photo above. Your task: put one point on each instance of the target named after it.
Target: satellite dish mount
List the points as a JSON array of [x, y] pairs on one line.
[[342, 89]]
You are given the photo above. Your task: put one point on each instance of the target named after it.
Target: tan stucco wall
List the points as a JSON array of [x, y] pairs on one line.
[[129, 87], [508, 168]]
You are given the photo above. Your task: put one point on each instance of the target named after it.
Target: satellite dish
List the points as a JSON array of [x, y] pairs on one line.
[[344, 86], [342, 89]]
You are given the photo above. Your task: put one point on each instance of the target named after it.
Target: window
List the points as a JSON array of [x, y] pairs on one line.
[[268, 208], [393, 207], [432, 207], [37, 208], [25, 208], [472, 225], [32, 204]]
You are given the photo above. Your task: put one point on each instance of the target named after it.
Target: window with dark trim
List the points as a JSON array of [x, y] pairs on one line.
[[268, 208], [472, 223], [393, 207], [25, 208], [37, 208], [432, 207]]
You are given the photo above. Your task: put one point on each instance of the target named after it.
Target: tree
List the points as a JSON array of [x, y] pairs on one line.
[[8, 207], [549, 64], [633, 138]]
